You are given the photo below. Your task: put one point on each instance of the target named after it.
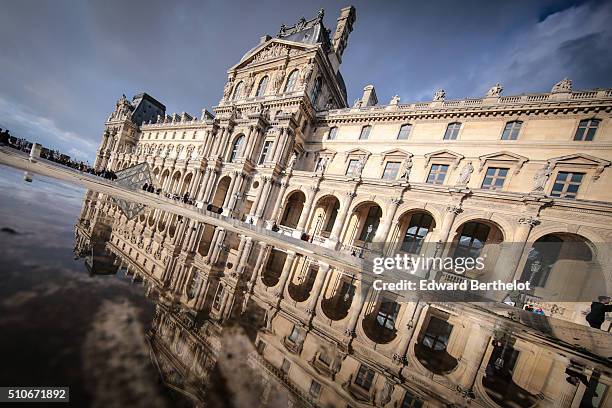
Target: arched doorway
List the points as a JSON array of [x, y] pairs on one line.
[[174, 183], [221, 192], [293, 209], [412, 232], [563, 267], [478, 239], [185, 184], [379, 323], [324, 218], [338, 296], [362, 227]]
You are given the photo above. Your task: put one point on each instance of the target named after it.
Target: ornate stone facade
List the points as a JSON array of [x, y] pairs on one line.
[[284, 150]]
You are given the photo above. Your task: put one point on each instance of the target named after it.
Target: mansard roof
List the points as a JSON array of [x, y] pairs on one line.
[[307, 31]]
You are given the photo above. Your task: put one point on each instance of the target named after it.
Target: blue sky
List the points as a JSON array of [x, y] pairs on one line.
[[63, 64]]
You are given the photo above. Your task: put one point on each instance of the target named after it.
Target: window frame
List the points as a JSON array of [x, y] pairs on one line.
[[588, 126], [236, 146], [348, 167], [417, 240], [566, 183], [402, 127], [261, 90], [399, 167], [291, 81], [265, 149], [495, 177], [364, 375], [455, 131], [367, 134], [431, 169], [513, 131], [238, 91], [332, 130]]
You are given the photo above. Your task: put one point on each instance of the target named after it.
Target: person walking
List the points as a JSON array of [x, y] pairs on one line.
[[597, 315]]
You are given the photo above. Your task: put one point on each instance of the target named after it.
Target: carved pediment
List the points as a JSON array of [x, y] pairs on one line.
[[270, 50], [581, 160], [444, 155], [326, 153], [503, 158], [398, 153], [357, 152]]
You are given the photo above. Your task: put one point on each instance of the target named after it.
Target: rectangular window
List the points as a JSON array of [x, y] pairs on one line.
[[495, 178], [391, 170], [261, 346], [324, 357], [264, 151], [437, 334], [332, 133], [410, 401], [404, 132], [452, 131], [285, 366], [387, 313], [364, 377], [315, 389], [351, 170], [295, 335], [365, 133], [218, 297], [511, 131], [567, 184], [437, 174], [586, 130]]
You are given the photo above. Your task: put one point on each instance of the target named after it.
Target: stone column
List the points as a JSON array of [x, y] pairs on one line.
[[399, 357], [277, 145], [279, 201], [322, 274], [259, 264], [334, 236], [219, 141], [264, 181], [358, 301], [195, 183], [234, 196], [204, 184], [447, 222], [306, 211], [383, 229], [263, 200], [287, 269], [244, 149], [211, 186], [228, 194], [244, 258], [217, 248], [521, 236]]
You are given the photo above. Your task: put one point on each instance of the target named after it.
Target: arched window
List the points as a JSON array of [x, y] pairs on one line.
[[472, 239], [261, 88], [291, 80], [452, 131], [236, 148], [238, 90], [316, 90], [419, 226], [404, 132]]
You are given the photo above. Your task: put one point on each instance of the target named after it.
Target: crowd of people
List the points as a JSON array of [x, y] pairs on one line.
[[185, 198], [52, 155]]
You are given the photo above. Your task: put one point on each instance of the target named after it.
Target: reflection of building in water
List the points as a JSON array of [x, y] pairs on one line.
[[325, 337]]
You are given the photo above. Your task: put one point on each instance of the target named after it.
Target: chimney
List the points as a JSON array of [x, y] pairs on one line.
[[369, 96], [343, 29]]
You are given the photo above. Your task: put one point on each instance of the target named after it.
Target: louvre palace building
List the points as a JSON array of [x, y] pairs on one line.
[[523, 180]]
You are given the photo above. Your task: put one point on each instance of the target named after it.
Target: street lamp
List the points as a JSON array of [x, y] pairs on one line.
[[369, 231]]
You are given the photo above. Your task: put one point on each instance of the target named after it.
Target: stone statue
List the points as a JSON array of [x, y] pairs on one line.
[[564, 85], [439, 95], [321, 165], [306, 73], [395, 100], [278, 79], [407, 169], [495, 90], [292, 161], [227, 90], [248, 84], [357, 103], [361, 165], [541, 177], [320, 14], [466, 173]]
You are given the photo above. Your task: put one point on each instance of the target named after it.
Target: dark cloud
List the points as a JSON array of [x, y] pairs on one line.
[[64, 63]]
